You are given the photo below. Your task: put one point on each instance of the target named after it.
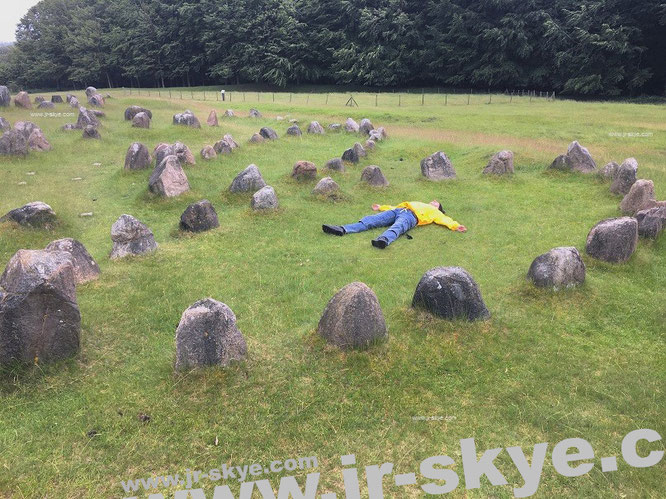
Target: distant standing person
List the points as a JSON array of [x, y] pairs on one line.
[[222, 93], [399, 219]]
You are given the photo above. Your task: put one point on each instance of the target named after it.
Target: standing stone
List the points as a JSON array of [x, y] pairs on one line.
[[335, 127], [365, 126], [562, 162], [90, 91], [353, 318], [96, 100], [249, 180], [69, 98], [85, 267], [141, 120], [613, 240], [37, 214], [161, 151], [26, 128], [74, 102], [186, 119], [268, 133], [580, 158], [315, 128], [372, 175], [5, 97], [4, 124], [437, 167], [326, 187], [212, 119], [222, 147], [304, 170], [137, 157], [354, 154], [199, 217], [254, 113], [131, 237], [22, 99], [37, 141], [369, 145], [56, 99], [39, 316], [230, 140], [229, 113], [13, 143], [208, 152], [184, 154], [351, 126], [451, 293], [294, 130], [86, 118], [651, 222], [264, 199], [640, 197], [500, 164], [90, 132], [207, 335], [132, 111], [625, 177], [39, 99], [335, 164], [46, 105], [168, 179], [559, 268], [609, 170], [257, 138]]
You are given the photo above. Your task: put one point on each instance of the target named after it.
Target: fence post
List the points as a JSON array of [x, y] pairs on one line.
[[468, 96], [169, 93], [511, 99], [289, 96], [422, 96], [446, 99], [192, 94], [327, 99], [399, 100], [159, 91], [204, 95], [376, 96], [148, 92], [307, 102], [243, 96]]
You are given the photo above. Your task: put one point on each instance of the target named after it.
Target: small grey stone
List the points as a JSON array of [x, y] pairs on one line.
[[625, 177], [613, 240], [198, 217], [131, 237], [132, 111], [315, 128], [249, 180], [268, 133], [137, 157], [186, 118], [372, 175], [335, 164], [559, 268], [365, 126], [37, 214], [640, 197], [304, 170], [294, 130], [168, 178], [500, 164], [264, 199], [351, 126], [437, 167], [141, 120]]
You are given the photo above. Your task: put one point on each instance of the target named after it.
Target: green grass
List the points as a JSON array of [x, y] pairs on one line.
[[583, 363]]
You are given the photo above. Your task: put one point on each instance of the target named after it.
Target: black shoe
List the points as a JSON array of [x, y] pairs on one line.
[[336, 230], [380, 242]]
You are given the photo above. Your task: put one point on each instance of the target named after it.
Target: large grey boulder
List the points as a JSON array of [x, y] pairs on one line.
[[13, 143], [86, 118], [90, 91], [559, 268], [613, 240], [264, 199], [326, 187], [37, 214], [137, 157], [22, 99], [5, 97], [500, 164], [199, 217], [268, 133], [315, 128], [141, 120], [365, 126], [294, 130], [372, 175], [451, 293], [304, 170], [132, 111], [249, 180], [640, 197], [4, 124], [85, 267], [625, 176], [168, 178], [131, 237], [562, 162], [39, 315], [207, 335], [353, 318], [335, 164], [351, 126], [186, 118], [580, 158], [651, 222], [354, 154], [437, 167]]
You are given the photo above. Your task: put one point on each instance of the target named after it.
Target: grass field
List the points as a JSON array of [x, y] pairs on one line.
[[588, 362]]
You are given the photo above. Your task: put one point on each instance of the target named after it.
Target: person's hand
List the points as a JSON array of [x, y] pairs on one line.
[[375, 207], [461, 228]]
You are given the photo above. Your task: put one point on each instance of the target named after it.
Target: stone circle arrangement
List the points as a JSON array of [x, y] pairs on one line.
[[35, 280]]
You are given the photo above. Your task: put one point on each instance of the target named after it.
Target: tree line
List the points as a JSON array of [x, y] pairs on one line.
[[576, 47]]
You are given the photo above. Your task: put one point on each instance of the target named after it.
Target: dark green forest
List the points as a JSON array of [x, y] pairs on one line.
[[574, 47]]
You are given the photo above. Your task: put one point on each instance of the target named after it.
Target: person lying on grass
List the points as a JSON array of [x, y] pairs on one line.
[[399, 219]]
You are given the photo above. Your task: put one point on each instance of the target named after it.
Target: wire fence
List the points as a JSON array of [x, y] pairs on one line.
[[358, 99]]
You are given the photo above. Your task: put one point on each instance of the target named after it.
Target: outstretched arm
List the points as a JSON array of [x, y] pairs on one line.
[[382, 207], [446, 221]]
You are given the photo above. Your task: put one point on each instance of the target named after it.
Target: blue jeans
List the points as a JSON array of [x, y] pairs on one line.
[[400, 221]]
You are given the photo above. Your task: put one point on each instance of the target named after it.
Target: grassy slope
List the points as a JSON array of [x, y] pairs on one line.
[[582, 363]]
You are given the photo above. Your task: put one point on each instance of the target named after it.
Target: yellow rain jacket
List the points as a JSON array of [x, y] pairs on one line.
[[425, 213]]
